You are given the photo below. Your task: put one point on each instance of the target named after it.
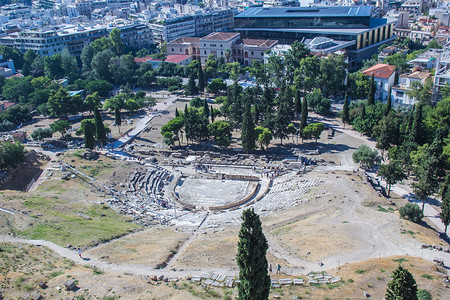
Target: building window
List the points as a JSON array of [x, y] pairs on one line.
[[221, 53], [252, 53], [205, 51]]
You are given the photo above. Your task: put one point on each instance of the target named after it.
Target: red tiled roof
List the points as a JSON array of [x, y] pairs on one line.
[[6, 104], [176, 58], [220, 36], [259, 43], [141, 59], [187, 39], [380, 71]]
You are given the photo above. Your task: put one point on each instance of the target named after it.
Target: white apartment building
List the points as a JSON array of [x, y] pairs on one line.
[[400, 91], [167, 30], [384, 77], [442, 75], [47, 42], [193, 25]]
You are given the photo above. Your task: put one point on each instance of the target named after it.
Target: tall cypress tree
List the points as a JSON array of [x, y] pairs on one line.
[[177, 113], [346, 111], [206, 110], [117, 118], [211, 111], [363, 112], [371, 96], [248, 130], [251, 258], [100, 132], [297, 104], [418, 127], [445, 206], [389, 103], [304, 114], [88, 126], [201, 78], [402, 286]]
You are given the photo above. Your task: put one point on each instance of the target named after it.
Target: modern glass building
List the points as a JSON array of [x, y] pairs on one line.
[[341, 23]]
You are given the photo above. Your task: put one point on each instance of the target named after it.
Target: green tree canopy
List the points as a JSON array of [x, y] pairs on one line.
[[313, 130], [11, 154], [60, 126], [221, 132], [365, 156]]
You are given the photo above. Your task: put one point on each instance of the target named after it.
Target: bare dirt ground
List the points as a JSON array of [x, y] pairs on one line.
[[150, 247]]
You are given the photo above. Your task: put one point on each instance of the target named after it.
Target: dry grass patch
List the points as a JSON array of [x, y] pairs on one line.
[[149, 247], [211, 250]]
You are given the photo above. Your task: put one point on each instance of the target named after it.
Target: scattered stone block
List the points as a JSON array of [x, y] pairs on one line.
[[215, 283], [313, 281], [196, 279], [37, 297], [335, 279], [285, 281], [298, 281], [221, 277], [70, 284], [208, 281], [42, 284], [229, 282]]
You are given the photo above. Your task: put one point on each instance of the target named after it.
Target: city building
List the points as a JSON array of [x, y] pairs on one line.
[[427, 60], [169, 29], [352, 24], [400, 91], [51, 40], [442, 75], [384, 77], [228, 45]]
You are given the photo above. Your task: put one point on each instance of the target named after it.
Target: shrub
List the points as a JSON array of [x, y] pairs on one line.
[[423, 295], [6, 126], [41, 133], [411, 211], [196, 102], [173, 88]]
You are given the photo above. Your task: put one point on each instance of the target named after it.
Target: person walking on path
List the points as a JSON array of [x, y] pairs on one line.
[[270, 268], [278, 269], [79, 252]]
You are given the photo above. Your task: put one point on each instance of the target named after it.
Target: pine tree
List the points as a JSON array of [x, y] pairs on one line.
[[211, 109], [177, 113], [402, 286], [251, 258], [371, 96], [445, 206], [389, 103], [100, 132], [346, 111], [117, 118], [248, 130], [201, 78], [304, 114]]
